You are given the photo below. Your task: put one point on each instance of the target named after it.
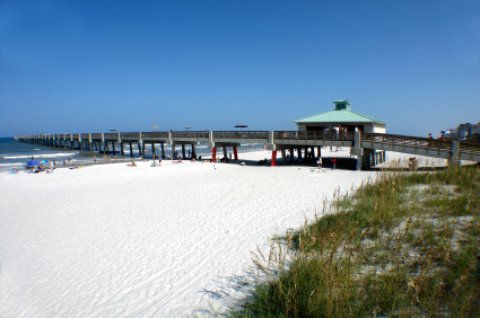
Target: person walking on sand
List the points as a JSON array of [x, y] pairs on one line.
[[334, 163], [319, 163]]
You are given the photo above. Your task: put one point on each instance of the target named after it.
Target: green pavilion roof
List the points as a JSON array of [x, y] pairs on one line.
[[341, 114]]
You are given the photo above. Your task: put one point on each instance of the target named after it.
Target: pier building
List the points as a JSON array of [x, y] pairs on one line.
[[341, 121]]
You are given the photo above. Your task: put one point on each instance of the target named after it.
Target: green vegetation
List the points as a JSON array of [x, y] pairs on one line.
[[405, 246]]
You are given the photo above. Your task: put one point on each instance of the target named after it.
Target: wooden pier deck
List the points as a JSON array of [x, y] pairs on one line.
[[367, 147]]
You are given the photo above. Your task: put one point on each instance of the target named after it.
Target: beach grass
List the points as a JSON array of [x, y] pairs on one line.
[[406, 245]]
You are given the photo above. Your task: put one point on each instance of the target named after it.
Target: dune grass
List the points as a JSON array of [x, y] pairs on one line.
[[404, 246]]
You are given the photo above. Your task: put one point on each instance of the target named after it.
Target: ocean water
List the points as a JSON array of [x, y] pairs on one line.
[[14, 154]]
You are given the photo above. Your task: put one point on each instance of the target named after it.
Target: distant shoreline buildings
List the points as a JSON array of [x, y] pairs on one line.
[[466, 131]]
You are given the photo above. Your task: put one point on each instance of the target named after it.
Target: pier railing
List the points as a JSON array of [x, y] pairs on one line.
[[152, 135], [313, 135], [417, 142], [190, 134], [241, 135]]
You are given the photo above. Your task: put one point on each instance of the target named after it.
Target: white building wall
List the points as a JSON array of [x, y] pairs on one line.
[[379, 129]]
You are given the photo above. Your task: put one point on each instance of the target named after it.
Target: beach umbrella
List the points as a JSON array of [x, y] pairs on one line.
[[32, 163]]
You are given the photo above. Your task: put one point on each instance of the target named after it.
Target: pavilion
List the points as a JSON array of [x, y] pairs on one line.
[[341, 119]]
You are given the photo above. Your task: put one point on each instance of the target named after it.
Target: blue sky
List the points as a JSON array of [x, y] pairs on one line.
[[97, 65]]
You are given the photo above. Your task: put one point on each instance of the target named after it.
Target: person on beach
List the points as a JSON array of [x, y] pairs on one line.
[[334, 163], [319, 163], [412, 163], [94, 158]]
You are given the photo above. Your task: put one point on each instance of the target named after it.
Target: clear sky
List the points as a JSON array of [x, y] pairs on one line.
[[80, 66]]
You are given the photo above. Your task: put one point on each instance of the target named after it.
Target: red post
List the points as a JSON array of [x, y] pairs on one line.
[[274, 158], [235, 152], [214, 154]]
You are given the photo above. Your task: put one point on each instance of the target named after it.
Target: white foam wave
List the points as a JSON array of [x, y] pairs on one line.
[[13, 164], [45, 155]]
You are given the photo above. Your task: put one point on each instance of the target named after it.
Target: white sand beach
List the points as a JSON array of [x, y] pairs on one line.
[[119, 241]]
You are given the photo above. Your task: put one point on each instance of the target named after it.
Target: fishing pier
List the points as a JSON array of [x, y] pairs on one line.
[[368, 149]]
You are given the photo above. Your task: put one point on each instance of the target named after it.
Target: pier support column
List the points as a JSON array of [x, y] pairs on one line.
[[214, 154], [143, 151], [274, 158], [113, 148], [139, 150], [131, 149], [173, 154], [235, 152], [225, 156], [359, 163], [453, 159], [194, 155], [121, 149], [183, 151], [162, 149], [319, 150], [153, 151]]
